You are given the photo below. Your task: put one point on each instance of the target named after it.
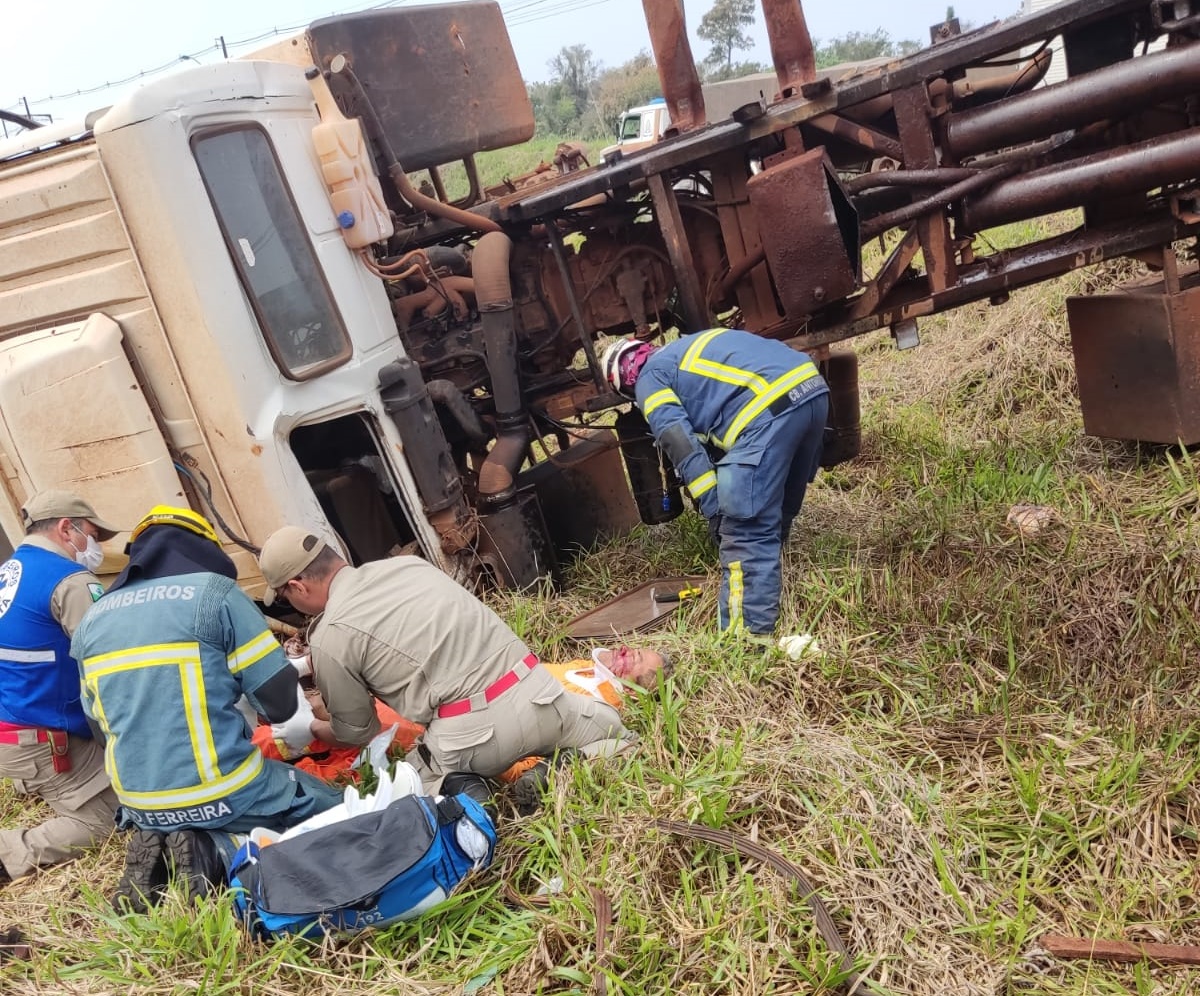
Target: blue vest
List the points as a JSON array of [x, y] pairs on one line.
[[39, 679]]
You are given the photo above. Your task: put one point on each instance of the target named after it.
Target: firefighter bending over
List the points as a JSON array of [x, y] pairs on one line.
[[761, 406]]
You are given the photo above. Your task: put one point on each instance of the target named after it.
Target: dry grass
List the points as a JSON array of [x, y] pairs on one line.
[[999, 741]]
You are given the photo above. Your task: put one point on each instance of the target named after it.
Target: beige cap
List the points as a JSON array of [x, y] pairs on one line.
[[64, 505], [284, 555]]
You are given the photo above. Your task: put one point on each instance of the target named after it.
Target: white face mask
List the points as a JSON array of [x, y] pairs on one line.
[[92, 555]]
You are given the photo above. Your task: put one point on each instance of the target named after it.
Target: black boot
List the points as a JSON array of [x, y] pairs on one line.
[[145, 877], [473, 785], [527, 791], [194, 863]]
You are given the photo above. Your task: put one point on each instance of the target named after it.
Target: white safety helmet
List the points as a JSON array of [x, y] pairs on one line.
[[612, 365]]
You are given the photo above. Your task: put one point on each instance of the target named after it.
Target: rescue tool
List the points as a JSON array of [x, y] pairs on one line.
[[677, 596]]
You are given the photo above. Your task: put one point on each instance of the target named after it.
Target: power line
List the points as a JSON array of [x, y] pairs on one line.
[[555, 9], [526, 11], [215, 47]]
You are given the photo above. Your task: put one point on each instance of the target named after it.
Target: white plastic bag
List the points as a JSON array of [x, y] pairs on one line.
[[392, 786], [799, 645]]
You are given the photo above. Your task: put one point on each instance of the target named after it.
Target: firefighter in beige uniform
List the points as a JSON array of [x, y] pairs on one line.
[[402, 631], [46, 744]]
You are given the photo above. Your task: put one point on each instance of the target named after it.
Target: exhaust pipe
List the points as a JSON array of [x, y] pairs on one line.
[[493, 295]]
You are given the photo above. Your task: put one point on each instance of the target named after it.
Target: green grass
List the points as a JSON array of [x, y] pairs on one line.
[[1000, 739], [504, 164]]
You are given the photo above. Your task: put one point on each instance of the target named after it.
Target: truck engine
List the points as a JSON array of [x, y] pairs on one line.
[[502, 297]]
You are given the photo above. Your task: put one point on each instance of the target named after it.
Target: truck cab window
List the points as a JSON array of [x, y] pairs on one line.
[[271, 251], [631, 126]]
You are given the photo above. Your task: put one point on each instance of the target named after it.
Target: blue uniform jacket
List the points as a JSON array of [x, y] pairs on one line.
[[39, 680], [163, 662], [716, 388]]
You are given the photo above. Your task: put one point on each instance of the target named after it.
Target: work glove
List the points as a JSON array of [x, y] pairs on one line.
[[294, 733], [714, 530]]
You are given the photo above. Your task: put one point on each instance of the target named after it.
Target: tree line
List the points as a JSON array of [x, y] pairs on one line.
[[585, 99]]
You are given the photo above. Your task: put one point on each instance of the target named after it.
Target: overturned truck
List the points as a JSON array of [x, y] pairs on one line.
[[249, 287]]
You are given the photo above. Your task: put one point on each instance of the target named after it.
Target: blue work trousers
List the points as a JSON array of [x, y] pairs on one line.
[[760, 487]]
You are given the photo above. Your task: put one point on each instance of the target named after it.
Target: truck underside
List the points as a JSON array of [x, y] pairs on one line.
[[759, 220], [515, 451]]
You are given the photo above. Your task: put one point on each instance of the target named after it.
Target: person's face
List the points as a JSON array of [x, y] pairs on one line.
[[638, 666], [76, 536], [304, 596]]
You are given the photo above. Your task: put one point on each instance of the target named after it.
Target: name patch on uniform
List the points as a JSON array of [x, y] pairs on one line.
[[123, 599], [10, 578], [174, 817]]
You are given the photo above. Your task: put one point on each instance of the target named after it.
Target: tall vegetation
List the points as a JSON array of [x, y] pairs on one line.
[[858, 46], [582, 99], [724, 26]]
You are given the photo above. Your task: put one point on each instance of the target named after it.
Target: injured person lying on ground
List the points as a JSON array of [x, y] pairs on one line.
[[606, 677]]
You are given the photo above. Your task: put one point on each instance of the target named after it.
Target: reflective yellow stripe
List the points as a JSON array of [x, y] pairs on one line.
[[705, 482], [156, 655], [195, 708], [185, 658], [194, 795], [151, 653], [251, 651], [694, 362], [777, 389], [97, 712], [694, 350], [735, 595], [728, 375], [664, 397]]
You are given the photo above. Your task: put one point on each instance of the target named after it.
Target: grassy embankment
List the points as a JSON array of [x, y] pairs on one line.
[[1000, 739], [503, 164]]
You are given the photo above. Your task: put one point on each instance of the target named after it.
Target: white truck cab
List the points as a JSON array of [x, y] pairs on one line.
[[640, 127], [182, 322]]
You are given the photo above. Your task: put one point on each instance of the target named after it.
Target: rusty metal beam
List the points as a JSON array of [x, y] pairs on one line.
[[913, 118], [1102, 949], [1006, 271], [887, 277], [676, 67], [984, 43], [791, 44], [857, 134], [569, 284], [691, 299], [937, 201], [688, 148], [743, 241]]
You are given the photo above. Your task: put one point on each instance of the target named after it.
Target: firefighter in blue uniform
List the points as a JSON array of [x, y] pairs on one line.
[[165, 654], [46, 745], [760, 407]]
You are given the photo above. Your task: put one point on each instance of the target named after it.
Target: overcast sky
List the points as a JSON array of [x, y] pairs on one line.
[[60, 47]]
